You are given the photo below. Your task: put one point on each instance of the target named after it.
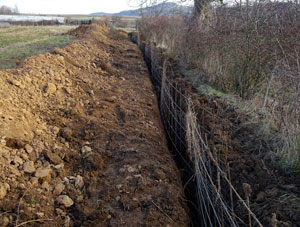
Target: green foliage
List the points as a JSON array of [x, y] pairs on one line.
[[208, 90], [32, 201]]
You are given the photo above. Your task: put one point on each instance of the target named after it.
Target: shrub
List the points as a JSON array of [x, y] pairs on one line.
[[251, 50]]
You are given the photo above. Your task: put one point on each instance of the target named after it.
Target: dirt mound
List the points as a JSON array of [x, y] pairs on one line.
[[79, 31], [81, 140]]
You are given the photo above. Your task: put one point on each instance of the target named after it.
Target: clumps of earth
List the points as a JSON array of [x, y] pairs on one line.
[[81, 142]]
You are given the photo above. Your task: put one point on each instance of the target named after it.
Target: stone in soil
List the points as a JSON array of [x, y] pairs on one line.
[[79, 183], [66, 133], [3, 191], [58, 188], [86, 149], [64, 200], [54, 158], [50, 88], [28, 167], [43, 172], [28, 148]]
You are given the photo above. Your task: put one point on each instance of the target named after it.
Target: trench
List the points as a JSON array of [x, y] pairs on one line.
[[175, 132], [136, 163], [109, 134]]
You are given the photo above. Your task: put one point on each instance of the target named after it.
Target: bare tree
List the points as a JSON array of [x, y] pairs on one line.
[[16, 9], [5, 10], [198, 4]]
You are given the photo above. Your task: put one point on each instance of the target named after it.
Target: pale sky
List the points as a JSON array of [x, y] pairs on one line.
[[70, 6]]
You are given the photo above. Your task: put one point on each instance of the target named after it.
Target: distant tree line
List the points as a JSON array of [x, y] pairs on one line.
[[5, 10]]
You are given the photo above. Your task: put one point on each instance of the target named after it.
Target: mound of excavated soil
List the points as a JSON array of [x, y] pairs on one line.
[[79, 31], [81, 140]]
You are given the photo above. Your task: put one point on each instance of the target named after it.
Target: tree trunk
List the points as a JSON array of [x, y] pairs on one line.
[[198, 5]]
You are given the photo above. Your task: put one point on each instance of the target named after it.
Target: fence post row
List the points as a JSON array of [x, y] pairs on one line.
[[184, 123]]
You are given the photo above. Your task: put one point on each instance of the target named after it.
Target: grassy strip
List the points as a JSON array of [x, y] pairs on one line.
[[263, 126], [9, 56], [20, 34], [19, 42]]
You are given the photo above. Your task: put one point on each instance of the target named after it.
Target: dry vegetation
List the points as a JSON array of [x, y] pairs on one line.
[[251, 51]]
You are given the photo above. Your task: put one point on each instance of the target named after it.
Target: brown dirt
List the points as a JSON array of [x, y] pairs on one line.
[[88, 111]]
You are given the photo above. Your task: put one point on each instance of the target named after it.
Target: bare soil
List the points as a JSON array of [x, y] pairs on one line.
[[81, 139]]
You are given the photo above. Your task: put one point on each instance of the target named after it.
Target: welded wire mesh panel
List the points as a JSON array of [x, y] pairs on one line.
[[187, 133], [213, 207]]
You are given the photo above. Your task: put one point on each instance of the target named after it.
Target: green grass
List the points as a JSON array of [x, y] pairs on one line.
[[127, 29], [18, 43], [208, 90]]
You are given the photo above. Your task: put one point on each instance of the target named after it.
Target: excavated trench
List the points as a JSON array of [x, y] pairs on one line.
[[177, 146], [82, 143], [235, 186], [93, 149]]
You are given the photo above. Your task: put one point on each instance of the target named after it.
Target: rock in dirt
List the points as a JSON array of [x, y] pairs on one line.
[[18, 161], [60, 212], [160, 175], [69, 110], [46, 186], [58, 189], [111, 99], [91, 92], [54, 158], [59, 166], [66, 133], [67, 221], [55, 130], [43, 172], [17, 83], [21, 186], [3, 190], [85, 149], [79, 183], [28, 167], [64, 200], [33, 156], [50, 88], [34, 181], [28, 148]]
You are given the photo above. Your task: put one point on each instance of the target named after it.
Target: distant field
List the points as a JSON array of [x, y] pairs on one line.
[[19, 42], [127, 22]]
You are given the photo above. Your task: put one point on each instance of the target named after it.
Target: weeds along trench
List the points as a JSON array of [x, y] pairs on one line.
[[223, 186]]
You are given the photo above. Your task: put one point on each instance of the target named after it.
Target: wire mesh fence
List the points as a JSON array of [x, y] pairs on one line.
[[186, 126]]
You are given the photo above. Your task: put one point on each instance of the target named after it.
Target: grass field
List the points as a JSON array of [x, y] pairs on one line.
[[19, 42]]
